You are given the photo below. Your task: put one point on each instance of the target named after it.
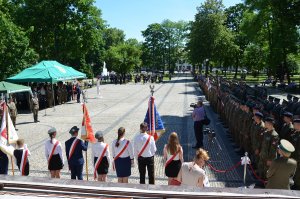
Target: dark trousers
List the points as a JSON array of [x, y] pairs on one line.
[[198, 129], [35, 114], [78, 97], [149, 163], [76, 171]]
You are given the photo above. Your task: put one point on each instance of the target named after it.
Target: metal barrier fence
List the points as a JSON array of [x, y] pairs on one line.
[[90, 189]]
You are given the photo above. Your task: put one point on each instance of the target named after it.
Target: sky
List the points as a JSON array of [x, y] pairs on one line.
[[133, 16]]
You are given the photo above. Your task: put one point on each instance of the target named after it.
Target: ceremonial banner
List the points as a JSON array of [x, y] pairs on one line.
[[87, 132], [153, 119], [8, 131]]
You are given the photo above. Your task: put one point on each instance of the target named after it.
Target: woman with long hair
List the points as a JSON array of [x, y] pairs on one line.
[[122, 152], [100, 157], [53, 152], [173, 155], [192, 173]]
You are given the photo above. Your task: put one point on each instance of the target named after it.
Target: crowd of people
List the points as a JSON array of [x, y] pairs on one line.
[[265, 128], [125, 154]]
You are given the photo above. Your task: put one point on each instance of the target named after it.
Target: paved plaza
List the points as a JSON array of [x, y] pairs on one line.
[[126, 105]]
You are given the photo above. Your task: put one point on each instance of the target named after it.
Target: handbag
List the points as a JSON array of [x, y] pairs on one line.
[[206, 120], [175, 182]]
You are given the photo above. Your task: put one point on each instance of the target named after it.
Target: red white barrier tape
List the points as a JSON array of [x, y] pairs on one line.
[[256, 176]]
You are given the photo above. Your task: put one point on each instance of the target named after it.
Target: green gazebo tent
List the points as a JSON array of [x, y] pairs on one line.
[[47, 71], [8, 88]]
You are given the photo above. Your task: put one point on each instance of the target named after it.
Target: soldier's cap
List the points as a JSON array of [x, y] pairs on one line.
[[289, 96], [276, 99], [296, 120], [295, 98], [259, 114], [286, 146], [52, 130], [73, 130], [269, 119], [98, 134], [249, 104], [288, 114]]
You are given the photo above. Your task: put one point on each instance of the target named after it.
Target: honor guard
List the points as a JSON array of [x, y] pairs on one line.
[[12, 110], [53, 152], [287, 128], [282, 168], [268, 147], [296, 155], [100, 157], [74, 148], [21, 154], [144, 151]]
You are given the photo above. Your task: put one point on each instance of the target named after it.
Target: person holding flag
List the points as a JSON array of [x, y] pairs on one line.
[[173, 155], [74, 148], [144, 151], [122, 152], [100, 157], [21, 154], [53, 152]]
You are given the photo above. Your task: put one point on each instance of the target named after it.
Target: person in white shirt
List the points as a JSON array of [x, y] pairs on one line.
[[144, 151], [173, 155], [122, 152], [192, 173], [100, 157], [53, 153]]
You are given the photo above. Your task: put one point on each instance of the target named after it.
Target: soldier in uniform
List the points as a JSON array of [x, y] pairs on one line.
[[287, 129], [294, 105], [49, 96], [257, 136], [59, 94], [296, 155], [268, 147], [282, 168], [12, 110], [35, 107]]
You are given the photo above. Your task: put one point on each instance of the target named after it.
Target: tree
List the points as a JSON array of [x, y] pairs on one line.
[[125, 56], [234, 20], [205, 32], [15, 53], [69, 31]]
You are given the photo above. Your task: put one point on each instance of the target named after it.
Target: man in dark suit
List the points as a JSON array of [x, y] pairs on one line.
[[74, 148], [282, 168]]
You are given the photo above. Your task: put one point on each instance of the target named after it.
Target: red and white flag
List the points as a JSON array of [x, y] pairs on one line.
[[87, 132], [8, 131]]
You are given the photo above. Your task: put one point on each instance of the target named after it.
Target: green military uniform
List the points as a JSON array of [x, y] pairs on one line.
[[268, 151], [256, 140], [286, 131], [282, 168], [12, 112], [296, 155], [49, 96], [35, 108]]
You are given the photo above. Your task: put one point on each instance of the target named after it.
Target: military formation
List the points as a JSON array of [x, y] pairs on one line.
[[257, 123]]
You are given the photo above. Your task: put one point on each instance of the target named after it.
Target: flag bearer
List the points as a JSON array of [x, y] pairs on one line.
[[21, 154]]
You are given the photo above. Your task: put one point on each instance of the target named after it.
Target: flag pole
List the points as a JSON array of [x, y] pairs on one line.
[[86, 166], [11, 158]]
